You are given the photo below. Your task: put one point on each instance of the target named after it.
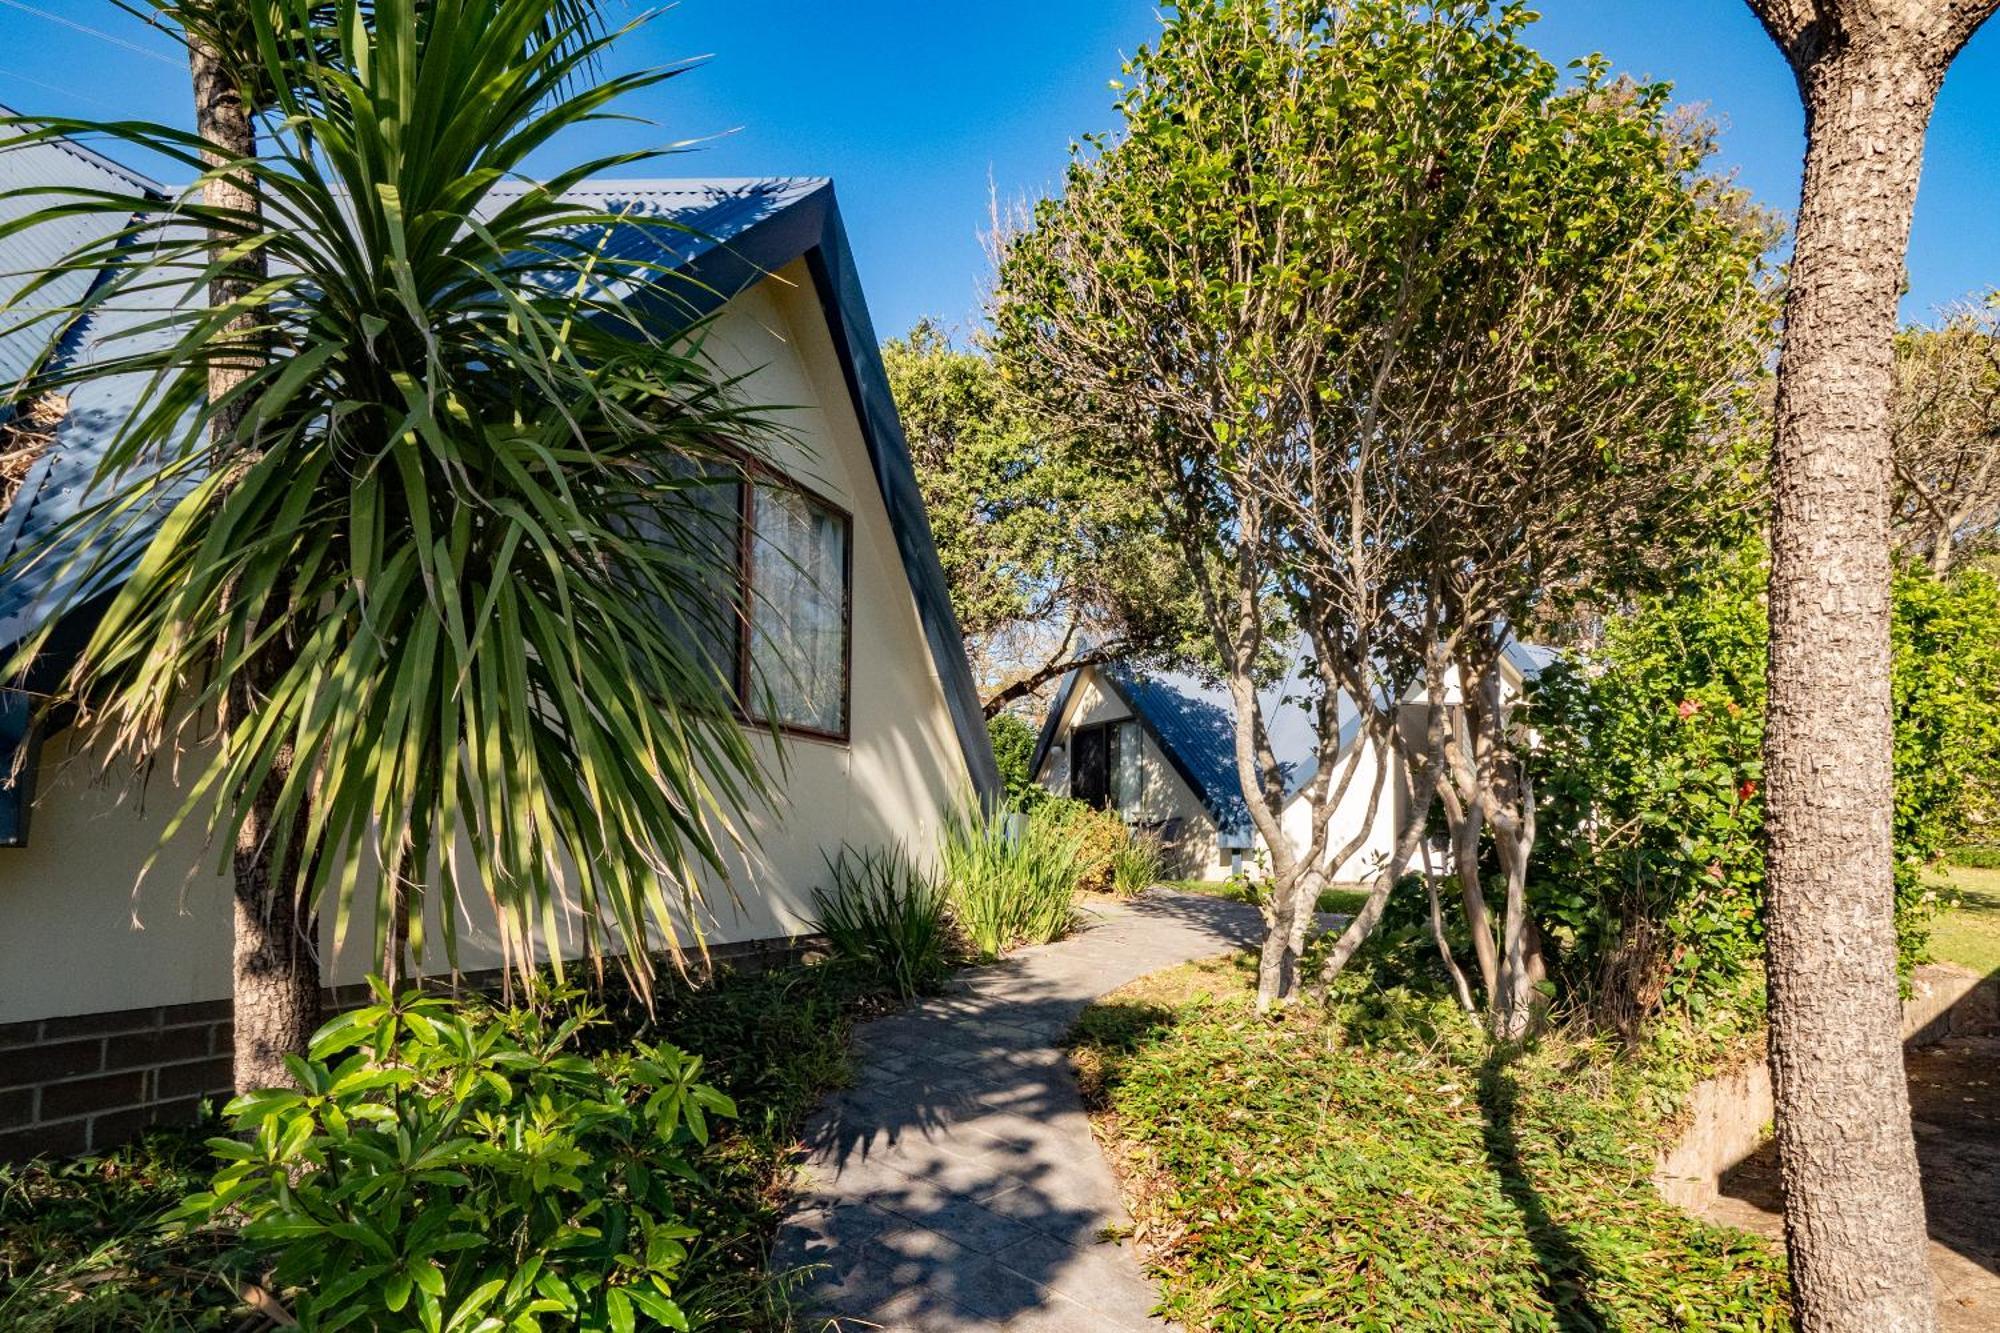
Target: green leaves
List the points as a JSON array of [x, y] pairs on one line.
[[396, 1188], [1297, 1179], [448, 527]]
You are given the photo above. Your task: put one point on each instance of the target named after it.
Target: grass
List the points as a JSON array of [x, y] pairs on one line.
[[1344, 902], [80, 1248], [1287, 1176], [80, 1245], [1968, 933]]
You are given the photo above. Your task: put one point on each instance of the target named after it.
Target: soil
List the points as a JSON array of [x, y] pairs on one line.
[[1955, 1104]]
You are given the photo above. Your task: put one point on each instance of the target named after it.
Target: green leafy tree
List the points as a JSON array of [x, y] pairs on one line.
[[399, 620], [1055, 559], [1649, 771], [1407, 328], [1014, 751]]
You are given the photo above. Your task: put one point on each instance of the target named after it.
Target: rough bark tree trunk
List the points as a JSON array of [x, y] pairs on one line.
[[276, 946], [1868, 71]]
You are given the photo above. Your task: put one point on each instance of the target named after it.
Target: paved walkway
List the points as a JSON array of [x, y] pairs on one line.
[[956, 1188]]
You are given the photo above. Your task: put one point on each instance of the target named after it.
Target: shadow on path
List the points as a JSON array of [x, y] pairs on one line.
[[957, 1186]]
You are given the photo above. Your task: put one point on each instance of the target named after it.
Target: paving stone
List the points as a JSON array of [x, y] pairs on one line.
[[956, 1188]]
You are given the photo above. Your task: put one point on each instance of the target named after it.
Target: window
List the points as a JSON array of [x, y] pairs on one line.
[[1107, 766], [797, 577], [776, 623]]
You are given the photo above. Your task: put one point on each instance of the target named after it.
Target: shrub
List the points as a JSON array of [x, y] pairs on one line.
[[1976, 857], [887, 917], [1014, 754], [1650, 865], [1137, 864], [462, 1166], [81, 1245], [1009, 880], [1098, 836]]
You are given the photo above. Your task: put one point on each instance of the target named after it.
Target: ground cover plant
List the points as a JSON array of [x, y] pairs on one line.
[[1381, 1165], [82, 1248]]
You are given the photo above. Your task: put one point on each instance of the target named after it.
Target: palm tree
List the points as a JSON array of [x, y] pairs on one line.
[[412, 505]]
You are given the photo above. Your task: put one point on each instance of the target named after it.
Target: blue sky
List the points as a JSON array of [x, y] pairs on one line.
[[921, 109]]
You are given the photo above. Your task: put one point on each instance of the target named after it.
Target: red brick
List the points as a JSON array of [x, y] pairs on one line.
[[20, 1034], [40, 1064], [136, 1049], [17, 1107], [116, 1127], [84, 1095], [61, 1140]]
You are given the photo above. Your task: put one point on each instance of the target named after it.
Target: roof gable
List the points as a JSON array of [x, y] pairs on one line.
[[736, 233], [1192, 720]]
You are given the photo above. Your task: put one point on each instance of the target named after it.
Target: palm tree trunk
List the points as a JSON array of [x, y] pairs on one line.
[[1854, 1212], [276, 948]]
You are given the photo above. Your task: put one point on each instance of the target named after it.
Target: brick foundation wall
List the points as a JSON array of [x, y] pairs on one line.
[[89, 1082]]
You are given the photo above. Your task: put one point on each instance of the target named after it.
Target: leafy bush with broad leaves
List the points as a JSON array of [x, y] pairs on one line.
[[1946, 635], [449, 1165], [1650, 874], [1099, 837], [886, 916], [1650, 867]]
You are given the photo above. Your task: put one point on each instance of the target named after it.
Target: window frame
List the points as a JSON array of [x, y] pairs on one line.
[[757, 473]]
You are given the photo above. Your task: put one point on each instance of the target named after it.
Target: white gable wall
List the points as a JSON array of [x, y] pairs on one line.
[[75, 938], [1351, 816], [1165, 796]]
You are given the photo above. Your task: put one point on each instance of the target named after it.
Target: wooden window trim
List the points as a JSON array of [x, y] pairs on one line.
[[755, 473]]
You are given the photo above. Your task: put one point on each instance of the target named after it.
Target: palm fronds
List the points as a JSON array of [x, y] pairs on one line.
[[462, 512]]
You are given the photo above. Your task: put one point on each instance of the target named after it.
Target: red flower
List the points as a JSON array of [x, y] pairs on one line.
[[1688, 709], [1747, 790], [1715, 871]]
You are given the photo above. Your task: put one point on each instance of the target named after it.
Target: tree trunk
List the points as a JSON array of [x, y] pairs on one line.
[[1854, 1214], [1460, 987], [276, 949]]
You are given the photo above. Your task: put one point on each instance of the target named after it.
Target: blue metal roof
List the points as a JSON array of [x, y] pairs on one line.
[[1192, 719], [26, 335], [732, 232]]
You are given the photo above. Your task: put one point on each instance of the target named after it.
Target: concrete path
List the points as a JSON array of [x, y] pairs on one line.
[[956, 1188]]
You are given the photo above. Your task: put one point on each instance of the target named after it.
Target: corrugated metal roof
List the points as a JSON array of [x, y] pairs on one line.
[[1194, 720], [705, 214], [27, 333]]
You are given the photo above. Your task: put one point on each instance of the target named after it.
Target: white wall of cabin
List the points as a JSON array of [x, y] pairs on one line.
[[76, 937]]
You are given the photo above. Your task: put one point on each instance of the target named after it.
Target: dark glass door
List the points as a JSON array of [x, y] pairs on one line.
[[1090, 766]]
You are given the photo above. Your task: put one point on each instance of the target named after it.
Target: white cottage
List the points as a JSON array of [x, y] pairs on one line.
[[114, 1006], [1159, 747]]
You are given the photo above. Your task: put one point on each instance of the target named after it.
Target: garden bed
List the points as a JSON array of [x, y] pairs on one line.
[[81, 1246], [1286, 1174]]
